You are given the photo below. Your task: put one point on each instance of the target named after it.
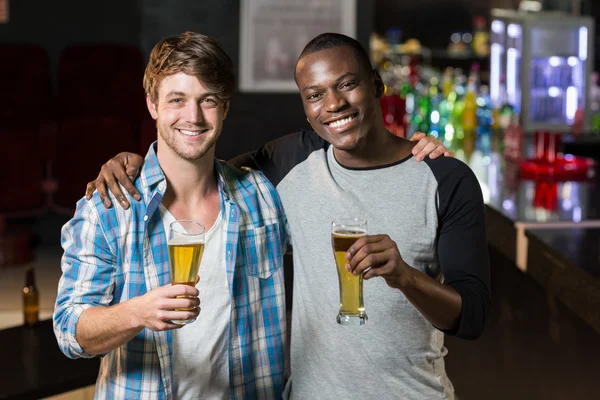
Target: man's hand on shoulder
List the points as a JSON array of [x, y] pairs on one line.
[[122, 168], [428, 146]]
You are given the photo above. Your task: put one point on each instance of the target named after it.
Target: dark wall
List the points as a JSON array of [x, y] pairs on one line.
[[254, 118], [433, 21]]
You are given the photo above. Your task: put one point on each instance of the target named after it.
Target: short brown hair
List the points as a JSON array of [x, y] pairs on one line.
[[194, 54]]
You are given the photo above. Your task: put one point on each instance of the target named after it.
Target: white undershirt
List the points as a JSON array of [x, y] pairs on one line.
[[200, 349]]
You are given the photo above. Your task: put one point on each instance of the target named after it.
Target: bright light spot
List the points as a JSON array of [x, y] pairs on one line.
[[571, 107], [495, 54], [511, 74], [583, 43], [577, 214], [553, 91], [514, 31], [435, 117], [497, 26], [554, 61], [573, 61], [410, 103], [449, 129]]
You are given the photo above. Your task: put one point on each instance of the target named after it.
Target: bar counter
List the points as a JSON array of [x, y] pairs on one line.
[[33, 367], [541, 339], [515, 204]]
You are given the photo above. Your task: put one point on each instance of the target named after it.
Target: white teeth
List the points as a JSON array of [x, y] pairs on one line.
[[189, 133], [341, 122]]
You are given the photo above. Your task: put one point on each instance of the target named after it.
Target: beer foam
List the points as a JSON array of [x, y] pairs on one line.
[[179, 240], [349, 233]]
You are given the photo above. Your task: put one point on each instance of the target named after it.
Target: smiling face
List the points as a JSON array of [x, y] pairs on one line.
[[339, 97], [189, 118]]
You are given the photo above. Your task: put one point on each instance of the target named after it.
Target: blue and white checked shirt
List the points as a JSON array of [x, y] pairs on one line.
[[112, 255]]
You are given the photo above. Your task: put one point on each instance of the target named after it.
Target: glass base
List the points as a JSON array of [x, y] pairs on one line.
[[352, 319], [183, 322]]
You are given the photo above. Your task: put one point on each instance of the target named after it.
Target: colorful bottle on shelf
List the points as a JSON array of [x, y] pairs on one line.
[[469, 114]]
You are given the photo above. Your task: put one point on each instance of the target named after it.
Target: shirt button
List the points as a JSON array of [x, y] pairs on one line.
[[229, 255], [145, 218], [161, 186]]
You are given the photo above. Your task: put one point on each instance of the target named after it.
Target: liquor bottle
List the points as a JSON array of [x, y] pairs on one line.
[[424, 111], [513, 139], [469, 115], [448, 82], [434, 107], [31, 301], [595, 103], [481, 39]]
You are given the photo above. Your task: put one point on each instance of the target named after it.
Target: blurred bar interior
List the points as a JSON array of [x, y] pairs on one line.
[[510, 86]]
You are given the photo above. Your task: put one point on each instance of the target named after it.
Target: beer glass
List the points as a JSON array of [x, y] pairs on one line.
[[186, 246], [344, 232]]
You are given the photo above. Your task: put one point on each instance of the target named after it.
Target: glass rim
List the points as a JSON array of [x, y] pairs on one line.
[[173, 227], [349, 221]]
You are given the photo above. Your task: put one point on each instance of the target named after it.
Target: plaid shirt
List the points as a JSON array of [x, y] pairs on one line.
[[112, 255]]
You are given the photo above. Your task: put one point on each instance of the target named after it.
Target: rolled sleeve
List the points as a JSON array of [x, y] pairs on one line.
[[88, 276], [462, 248]]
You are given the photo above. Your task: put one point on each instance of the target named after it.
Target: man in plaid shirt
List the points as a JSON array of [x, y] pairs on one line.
[[115, 299]]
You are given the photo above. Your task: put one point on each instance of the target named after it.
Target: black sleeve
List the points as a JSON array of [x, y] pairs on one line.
[[462, 242], [278, 157]]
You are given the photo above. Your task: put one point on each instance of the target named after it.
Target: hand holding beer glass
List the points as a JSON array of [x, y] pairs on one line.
[[344, 232], [186, 246]]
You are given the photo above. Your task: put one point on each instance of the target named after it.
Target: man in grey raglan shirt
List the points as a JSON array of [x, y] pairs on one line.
[[425, 261]]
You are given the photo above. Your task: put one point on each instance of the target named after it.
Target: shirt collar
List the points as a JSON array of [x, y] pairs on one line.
[[152, 174]]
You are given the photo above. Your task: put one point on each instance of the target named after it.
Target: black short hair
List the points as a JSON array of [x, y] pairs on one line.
[[330, 40]]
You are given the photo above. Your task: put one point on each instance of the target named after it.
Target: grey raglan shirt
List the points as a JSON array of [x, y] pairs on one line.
[[433, 210]]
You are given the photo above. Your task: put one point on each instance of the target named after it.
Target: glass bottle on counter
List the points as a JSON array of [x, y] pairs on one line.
[[31, 301]]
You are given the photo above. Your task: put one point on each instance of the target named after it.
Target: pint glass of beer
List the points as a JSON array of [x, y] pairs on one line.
[[344, 232], [186, 246]]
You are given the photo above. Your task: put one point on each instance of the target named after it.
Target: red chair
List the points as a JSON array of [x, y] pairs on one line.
[[99, 80], [83, 146], [21, 177], [25, 82]]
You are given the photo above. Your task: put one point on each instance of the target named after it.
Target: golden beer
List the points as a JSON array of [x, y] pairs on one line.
[[352, 309], [186, 247], [185, 261]]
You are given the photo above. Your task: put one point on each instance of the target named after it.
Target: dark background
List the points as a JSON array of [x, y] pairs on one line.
[[254, 118]]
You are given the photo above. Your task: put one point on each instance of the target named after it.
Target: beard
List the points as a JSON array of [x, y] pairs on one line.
[[188, 151]]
